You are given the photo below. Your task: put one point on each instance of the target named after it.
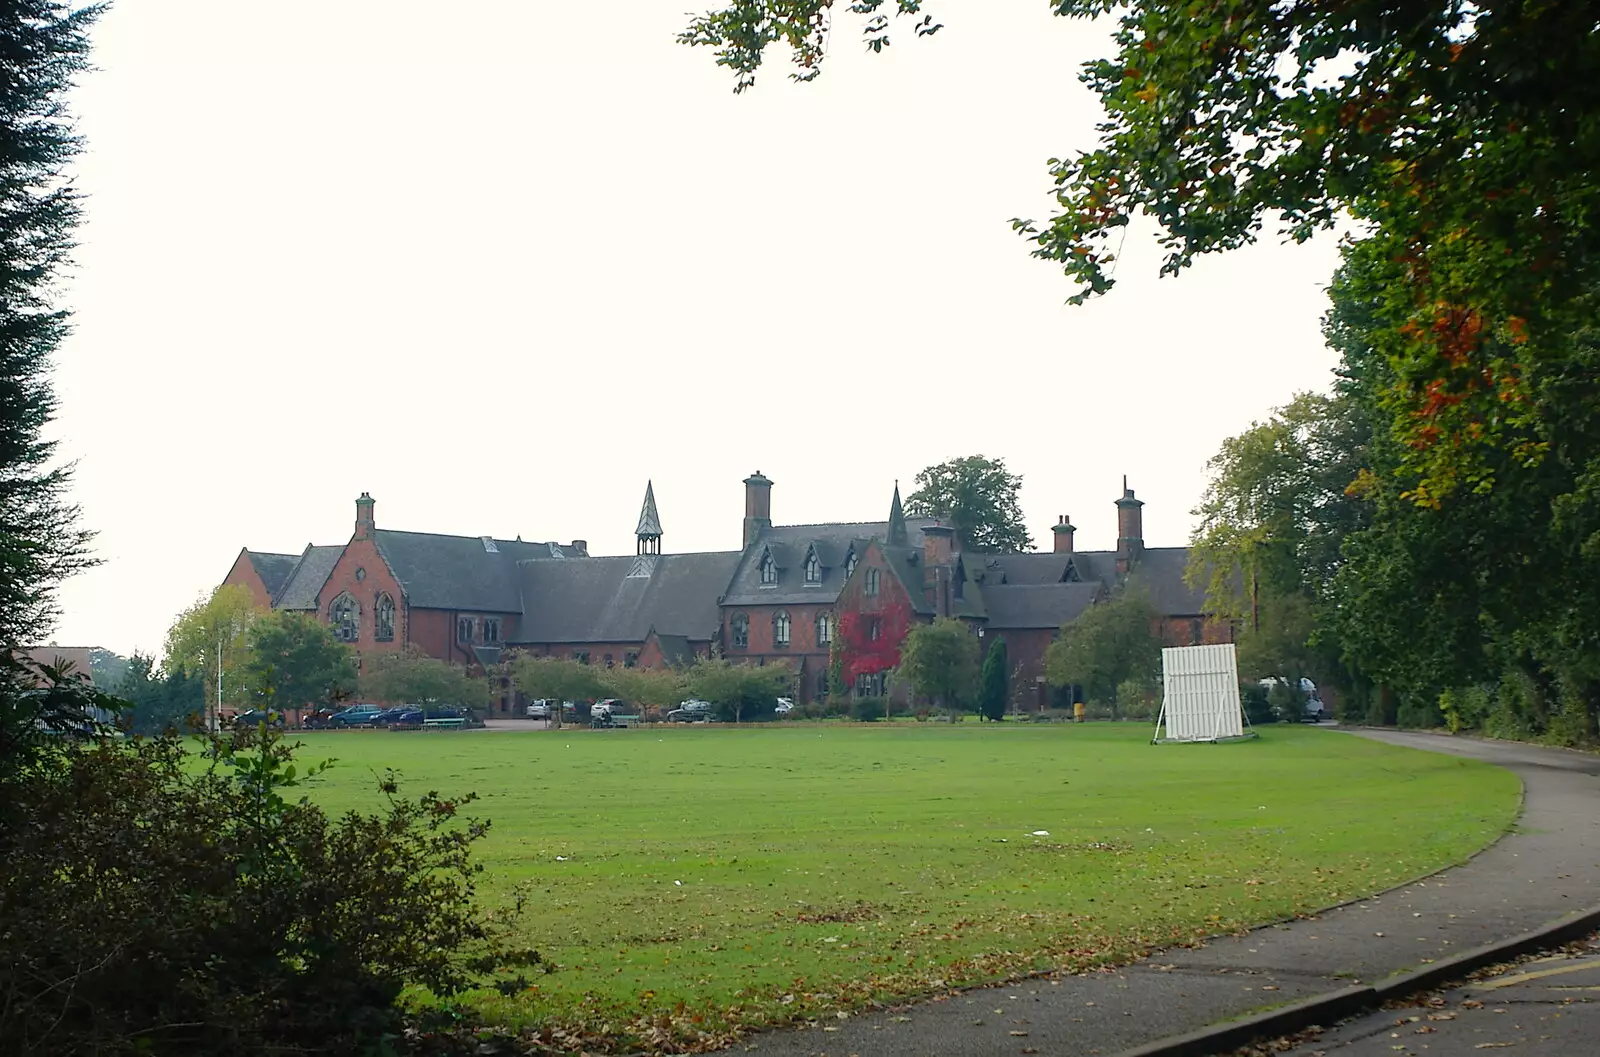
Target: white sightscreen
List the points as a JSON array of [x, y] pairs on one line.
[[1201, 693]]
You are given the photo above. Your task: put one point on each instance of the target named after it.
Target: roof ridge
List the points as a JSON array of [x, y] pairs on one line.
[[630, 557], [479, 538]]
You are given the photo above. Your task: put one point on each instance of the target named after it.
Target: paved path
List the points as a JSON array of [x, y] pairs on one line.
[[1546, 869]]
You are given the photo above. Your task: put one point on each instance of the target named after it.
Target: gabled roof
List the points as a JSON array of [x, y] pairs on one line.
[[1038, 605], [596, 600], [476, 573], [675, 649], [788, 545], [305, 580], [273, 569]]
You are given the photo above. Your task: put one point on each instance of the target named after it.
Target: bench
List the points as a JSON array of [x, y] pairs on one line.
[[441, 724]]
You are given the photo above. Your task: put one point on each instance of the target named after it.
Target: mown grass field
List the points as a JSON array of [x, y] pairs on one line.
[[690, 880]]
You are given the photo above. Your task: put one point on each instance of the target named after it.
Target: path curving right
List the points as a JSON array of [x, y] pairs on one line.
[[1547, 868]]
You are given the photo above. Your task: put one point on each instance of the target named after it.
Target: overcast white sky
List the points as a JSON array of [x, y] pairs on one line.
[[500, 263]]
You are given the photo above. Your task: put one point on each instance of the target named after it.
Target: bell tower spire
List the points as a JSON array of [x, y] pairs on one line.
[[649, 530]]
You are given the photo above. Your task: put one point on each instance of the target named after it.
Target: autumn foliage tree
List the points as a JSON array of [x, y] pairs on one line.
[[1460, 135]]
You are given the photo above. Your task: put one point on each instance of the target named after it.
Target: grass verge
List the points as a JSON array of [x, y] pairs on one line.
[[689, 883]]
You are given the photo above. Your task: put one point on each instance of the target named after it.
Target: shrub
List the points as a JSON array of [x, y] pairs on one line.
[[866, 708], [1257, 704], [153, 905]]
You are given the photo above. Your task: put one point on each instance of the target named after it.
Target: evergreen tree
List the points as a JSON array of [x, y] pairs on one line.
[[43, 46], [992, 684]]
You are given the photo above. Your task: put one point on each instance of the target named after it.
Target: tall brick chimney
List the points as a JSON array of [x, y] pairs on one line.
[[1130, 529], [364, 520], [1063, 530], [938, 561], [757, 506]]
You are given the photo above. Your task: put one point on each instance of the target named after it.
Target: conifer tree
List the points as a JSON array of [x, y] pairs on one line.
[[992, 682], [43, 46]]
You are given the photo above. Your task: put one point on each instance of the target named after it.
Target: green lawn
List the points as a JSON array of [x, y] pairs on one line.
[[689, 879]]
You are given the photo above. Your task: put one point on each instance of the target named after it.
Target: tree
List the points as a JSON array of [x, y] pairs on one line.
[[992, 688], [653, 687], [1109, 645], [159, 701], [979, 497], [739, 691], [411, 676], [294, 660], [1460, 134], [556, 679], [210, 640], [940, 662], [43, 46]]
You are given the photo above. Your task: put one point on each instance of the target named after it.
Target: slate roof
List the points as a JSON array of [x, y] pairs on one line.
[[475, 573], [789, 545], [596, 600], [1031, 568], [274, 569], [305, 580], [675, 649], [1038, 605], [1160, 571]]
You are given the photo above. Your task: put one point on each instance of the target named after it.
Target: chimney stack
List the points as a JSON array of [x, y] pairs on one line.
[[364, 519], [579, 548], [1130, 529], [757, 507], [1063, 530], [938, 546]]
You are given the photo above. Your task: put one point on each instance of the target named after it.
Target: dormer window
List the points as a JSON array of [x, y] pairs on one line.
[[813, 569], [850, 563], [769, 570]]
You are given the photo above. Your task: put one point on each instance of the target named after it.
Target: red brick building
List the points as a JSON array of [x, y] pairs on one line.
[[785, 597]]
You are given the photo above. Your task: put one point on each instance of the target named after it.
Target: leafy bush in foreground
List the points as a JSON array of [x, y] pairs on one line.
[[155, 901]]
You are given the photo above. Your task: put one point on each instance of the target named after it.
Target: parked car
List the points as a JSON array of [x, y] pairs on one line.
[[416, 715], [257, 716], [690, 711], [388, 715], [784, 707], [1315, 711], [539, 710], [354, 716], [610, 706]]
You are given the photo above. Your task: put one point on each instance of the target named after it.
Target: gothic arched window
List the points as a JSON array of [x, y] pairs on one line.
[[813, 569], [824, 629], [345, 616], [383, 618], [780, 629], [769, 569], [872, 582], [741, 631]]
